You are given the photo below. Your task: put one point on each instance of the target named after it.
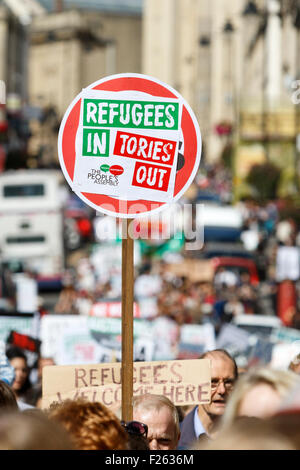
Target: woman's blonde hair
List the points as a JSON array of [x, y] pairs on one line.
[[249, 433], [282, 381]]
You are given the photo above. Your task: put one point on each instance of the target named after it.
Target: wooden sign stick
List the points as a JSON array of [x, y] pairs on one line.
[[127, 320]]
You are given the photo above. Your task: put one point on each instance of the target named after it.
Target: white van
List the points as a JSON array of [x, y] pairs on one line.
[[31, 221], [222, 223]]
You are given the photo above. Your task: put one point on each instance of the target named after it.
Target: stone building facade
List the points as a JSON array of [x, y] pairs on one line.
[[72, 49], [236, 64]]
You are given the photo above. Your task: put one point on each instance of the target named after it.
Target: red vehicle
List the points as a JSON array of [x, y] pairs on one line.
[[237, 265], [205, 270], [78, 228]]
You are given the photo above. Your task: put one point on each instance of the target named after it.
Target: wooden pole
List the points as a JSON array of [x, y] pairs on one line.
[[127, 321]]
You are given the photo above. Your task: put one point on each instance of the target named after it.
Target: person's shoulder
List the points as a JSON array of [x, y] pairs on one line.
[[189, 416], [24, 406], [187, 430]]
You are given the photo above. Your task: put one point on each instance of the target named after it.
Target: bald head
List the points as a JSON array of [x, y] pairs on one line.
[[223, 355]]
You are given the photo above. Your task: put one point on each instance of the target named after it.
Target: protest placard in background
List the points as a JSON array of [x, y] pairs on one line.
[[83, 339], [195, 340], [195, 270], [183, 382], [26, 294], [111, 310], [27, 324], [287, 263], [73, 339]]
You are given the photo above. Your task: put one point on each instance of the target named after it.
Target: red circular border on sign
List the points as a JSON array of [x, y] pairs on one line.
[[143, 85]]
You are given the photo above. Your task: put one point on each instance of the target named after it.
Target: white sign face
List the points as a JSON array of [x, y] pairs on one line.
[[199, 335], [73, 339], [288, 263], [127, 145], [27, 294]]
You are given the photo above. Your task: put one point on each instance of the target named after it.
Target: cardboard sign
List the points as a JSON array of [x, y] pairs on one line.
[[129, 144], [195, 270], [183, 382]]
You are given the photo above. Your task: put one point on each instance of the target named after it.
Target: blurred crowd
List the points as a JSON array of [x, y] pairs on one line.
[[249, 408], [266, 228]]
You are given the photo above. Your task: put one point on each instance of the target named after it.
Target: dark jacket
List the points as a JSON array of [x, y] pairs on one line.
[[187, 436]]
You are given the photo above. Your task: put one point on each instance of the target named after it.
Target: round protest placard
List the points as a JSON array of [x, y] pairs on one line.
[[129, 145]]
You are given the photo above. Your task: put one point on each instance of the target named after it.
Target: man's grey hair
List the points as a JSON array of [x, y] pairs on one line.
[[151, 401]]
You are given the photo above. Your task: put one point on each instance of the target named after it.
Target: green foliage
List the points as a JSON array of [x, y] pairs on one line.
[[227, 156], [287, 185], [264, 178]]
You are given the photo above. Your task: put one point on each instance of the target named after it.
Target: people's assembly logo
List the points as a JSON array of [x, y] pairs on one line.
[[106, 174]]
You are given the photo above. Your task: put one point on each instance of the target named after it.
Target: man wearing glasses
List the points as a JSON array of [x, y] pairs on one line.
[[201, 421]]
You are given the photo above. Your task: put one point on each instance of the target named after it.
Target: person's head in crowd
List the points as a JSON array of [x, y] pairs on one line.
[[204, 418], [248, 433], [18, 360], [137, 435], [42, 362], [35, 396], [8, 399], [224, 373], [91, 425], [294, 365], [161, 417], [21, 430], [287, 418], [259, 393]]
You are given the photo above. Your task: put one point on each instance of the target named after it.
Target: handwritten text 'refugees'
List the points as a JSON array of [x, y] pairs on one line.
[[105, 384]]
